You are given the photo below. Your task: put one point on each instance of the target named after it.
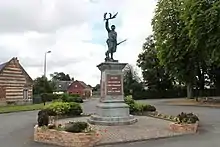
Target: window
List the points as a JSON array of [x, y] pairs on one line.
[[25, 94]]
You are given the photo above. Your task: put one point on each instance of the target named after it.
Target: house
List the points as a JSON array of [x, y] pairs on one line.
[[15, 84], [79, 87], [62, 86]]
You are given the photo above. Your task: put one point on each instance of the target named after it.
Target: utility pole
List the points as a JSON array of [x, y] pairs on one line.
[[45, 62]]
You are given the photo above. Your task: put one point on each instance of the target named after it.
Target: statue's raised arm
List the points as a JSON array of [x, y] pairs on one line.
[[107, 25], [107, 20]]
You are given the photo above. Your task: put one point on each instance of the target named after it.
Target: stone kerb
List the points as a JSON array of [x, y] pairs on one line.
[[184, 128], [66, 139]]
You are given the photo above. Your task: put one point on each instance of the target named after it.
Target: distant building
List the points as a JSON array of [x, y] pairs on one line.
[[79, 87], [62, 86], [15, 84]]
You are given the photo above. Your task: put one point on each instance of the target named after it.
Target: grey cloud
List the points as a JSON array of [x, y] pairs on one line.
[[51, 64], [23, 15], [6, 54], [63, 62]]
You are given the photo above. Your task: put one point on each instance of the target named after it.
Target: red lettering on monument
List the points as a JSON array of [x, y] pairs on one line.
[[114, 85]]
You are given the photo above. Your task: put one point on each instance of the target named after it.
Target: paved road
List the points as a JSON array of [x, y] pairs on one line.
[[207, 137], [16, 129]]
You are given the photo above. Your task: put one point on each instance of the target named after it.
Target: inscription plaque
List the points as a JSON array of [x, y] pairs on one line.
[[114, 85]]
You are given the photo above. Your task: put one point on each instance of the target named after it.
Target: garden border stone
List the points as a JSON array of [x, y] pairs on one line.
[[184, 128], [66, 139]]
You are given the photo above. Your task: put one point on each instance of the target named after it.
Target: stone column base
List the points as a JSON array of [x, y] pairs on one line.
[[112, 114], [112, 121]]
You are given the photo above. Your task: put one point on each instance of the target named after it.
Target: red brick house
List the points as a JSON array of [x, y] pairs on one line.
[[15, 84], [79, 87]]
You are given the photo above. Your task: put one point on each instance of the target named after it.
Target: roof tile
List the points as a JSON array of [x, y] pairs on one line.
[[2, 66]]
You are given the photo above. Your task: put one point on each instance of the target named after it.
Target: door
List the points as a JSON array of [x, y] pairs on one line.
[[25, 94], [2, 93]]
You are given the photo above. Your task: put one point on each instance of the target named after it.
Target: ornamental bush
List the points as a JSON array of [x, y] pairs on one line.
[[150, 108], [63, 108], [188, 118], [76, 127], [71, 98], [137, 107], [43, 118], [48, 97]]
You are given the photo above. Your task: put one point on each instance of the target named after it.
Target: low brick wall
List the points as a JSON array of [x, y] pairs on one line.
[[66, 139], [184, 128]]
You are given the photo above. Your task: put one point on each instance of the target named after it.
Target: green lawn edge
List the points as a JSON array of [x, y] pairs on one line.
[[20, 108]]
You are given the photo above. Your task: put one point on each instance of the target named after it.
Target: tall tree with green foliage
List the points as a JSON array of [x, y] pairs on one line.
[[202, 18], [132, 82], [61, 76], [175, 52], [154, 75], [42, 85], [97, 87]]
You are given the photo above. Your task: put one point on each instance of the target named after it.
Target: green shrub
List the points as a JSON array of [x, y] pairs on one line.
[[71, 98], [129, 100], [136, 107], [57, 108], [74, 95], [48, 97], [188, 118], [64, 108], [76, 127], [75, 109], [43, 118], [150, 108]]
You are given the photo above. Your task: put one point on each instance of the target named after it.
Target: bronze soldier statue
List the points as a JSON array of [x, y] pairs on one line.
[[112, 38]]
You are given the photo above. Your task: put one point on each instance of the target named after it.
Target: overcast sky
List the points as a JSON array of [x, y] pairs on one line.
[[73, 30]]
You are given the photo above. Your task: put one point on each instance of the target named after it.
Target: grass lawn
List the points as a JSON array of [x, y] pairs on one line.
[[17, 108]]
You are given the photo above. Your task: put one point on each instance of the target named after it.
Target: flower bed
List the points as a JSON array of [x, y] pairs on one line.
[[184, 122], [64, 138], [162, 116]]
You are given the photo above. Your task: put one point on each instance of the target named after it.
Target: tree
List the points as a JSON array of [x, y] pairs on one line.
[[201, 17], [42, 85], [97, 87], [214, 76], [61, 76], [132, 83], [172, 42], [154, 75]]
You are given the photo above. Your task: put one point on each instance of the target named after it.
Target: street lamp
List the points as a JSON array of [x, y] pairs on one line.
[[45, 62]]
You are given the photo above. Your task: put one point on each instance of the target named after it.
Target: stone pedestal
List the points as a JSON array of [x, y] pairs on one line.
[[111, 109]]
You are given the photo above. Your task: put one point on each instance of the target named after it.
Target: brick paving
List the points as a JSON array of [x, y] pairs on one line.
[[145, 128]]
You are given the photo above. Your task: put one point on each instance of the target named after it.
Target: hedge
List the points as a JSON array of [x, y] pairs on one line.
[[176, 93], [156, 94], [48, 97]]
